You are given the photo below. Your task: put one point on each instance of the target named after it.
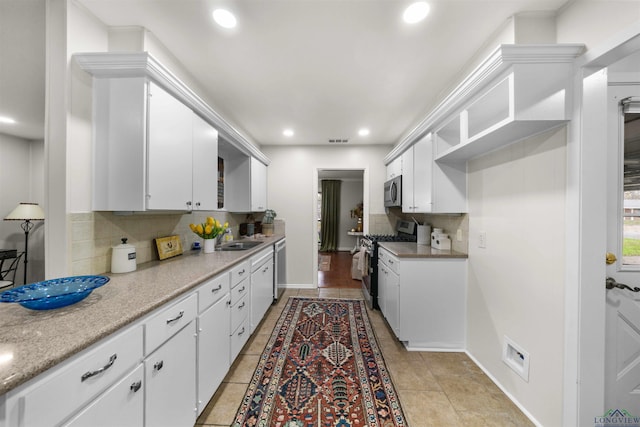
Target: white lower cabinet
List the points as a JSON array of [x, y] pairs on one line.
[[261, 285], [170, 377], [122, 405], [424, 300], [213, 349], [389, 290], [161, 370]]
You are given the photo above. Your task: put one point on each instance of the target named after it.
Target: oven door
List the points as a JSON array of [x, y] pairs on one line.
[[370, 282]]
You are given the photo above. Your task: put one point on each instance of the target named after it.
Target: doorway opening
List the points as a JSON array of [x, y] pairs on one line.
[[337, 239]]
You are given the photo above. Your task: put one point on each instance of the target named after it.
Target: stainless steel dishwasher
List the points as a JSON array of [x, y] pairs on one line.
[[280, 270]]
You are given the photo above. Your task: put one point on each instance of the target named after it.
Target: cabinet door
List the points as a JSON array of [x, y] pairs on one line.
[[205, 165], [261, 292], [213, 350], [422, 174], [258, 185], [392, 303], [407, 181], [121, 405], [169, 157], [170, 377], [382, 289]]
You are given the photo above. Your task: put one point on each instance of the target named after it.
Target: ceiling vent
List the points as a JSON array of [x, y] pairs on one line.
[[338, 140]]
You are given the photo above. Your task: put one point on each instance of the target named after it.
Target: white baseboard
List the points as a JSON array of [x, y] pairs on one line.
[[509, 395], [299, 286]]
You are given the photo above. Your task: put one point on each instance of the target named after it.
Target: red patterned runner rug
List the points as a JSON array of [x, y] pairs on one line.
[[321, 367]]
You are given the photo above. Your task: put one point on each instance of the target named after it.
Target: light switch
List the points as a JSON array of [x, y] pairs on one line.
[[459, 235], [482, 241]]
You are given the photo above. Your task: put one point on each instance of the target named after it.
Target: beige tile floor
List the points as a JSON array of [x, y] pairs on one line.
[[435, 389]]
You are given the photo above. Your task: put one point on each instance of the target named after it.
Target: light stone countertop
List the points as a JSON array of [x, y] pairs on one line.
[[33, 341], [413, 250]]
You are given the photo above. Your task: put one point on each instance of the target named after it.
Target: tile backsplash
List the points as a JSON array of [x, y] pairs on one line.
[[93, 234]]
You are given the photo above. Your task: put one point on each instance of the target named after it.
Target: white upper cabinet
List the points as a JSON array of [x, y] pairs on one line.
[[429, 187], [394, 168], [155, 140], [170, 152], [205, 165], [151, 151], [245, 184]]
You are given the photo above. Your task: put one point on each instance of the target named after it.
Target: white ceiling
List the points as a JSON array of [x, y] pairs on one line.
[[322, 67]]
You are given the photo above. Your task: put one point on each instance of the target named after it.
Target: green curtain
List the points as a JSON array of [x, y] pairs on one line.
[[329, 215]]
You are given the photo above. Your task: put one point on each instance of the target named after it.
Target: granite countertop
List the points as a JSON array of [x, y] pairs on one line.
[[413, 250], [33, 341]]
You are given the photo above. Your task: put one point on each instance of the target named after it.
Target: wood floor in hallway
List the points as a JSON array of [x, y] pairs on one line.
[[339, 275]]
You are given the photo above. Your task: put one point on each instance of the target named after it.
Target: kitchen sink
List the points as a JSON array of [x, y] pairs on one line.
[[239, 246]]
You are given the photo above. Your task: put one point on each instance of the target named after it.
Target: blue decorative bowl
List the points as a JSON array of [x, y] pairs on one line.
[[54, 293]]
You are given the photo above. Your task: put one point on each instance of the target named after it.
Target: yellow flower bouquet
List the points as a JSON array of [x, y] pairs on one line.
[[210, 229]]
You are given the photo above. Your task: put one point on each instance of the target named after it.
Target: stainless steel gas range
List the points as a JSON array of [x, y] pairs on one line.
[[405, 232]]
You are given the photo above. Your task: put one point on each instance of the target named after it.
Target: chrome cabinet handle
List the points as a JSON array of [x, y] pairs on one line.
[[265, 269], [136, 386], [158, 365], [216, 289], [178, 317], [241, 271], [197, 204], [90, 374], [241, 305], [241, 332], [241, 289]]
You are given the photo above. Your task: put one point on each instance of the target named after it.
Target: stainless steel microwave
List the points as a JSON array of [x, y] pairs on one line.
[[393, 192]]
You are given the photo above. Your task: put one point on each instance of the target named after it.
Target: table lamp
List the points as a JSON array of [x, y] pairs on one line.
[[26, 212]]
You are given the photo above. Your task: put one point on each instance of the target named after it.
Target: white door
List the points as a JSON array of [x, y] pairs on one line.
[[622, 343]]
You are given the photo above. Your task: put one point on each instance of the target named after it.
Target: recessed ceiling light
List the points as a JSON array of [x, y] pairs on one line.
[[224, 18], [288, 132], [363, 132], [416, 12], [7, 120]]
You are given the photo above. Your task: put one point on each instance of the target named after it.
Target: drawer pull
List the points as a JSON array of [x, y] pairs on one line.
[[216, 289], [241, 332], [90, 374], [158, 365], [265, 269], [178, 317], [136, 386], [241, 289], [241, 305], [241, 272]]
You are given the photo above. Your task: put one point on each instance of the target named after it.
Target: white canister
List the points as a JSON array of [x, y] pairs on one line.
[[434, 235], [423, 235], [123, 257]]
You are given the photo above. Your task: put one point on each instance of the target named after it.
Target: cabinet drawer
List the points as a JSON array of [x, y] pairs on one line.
[[239, 312], [389, 260], [122, 405], [168, 322], [258, 260], [71, 387], [238, 292], [239, 273], [239, 338], [212, 290]]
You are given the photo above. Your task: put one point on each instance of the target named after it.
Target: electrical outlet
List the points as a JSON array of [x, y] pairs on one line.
[[482, 239], [459, 235]]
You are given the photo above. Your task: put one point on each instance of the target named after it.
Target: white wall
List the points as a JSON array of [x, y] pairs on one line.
[[21, 175], [516, 283], [290, 193]]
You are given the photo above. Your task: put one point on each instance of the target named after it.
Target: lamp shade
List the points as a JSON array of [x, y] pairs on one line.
[[24, 211]]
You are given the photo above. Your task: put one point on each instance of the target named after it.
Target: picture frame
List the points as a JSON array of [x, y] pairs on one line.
[[168, 247]]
